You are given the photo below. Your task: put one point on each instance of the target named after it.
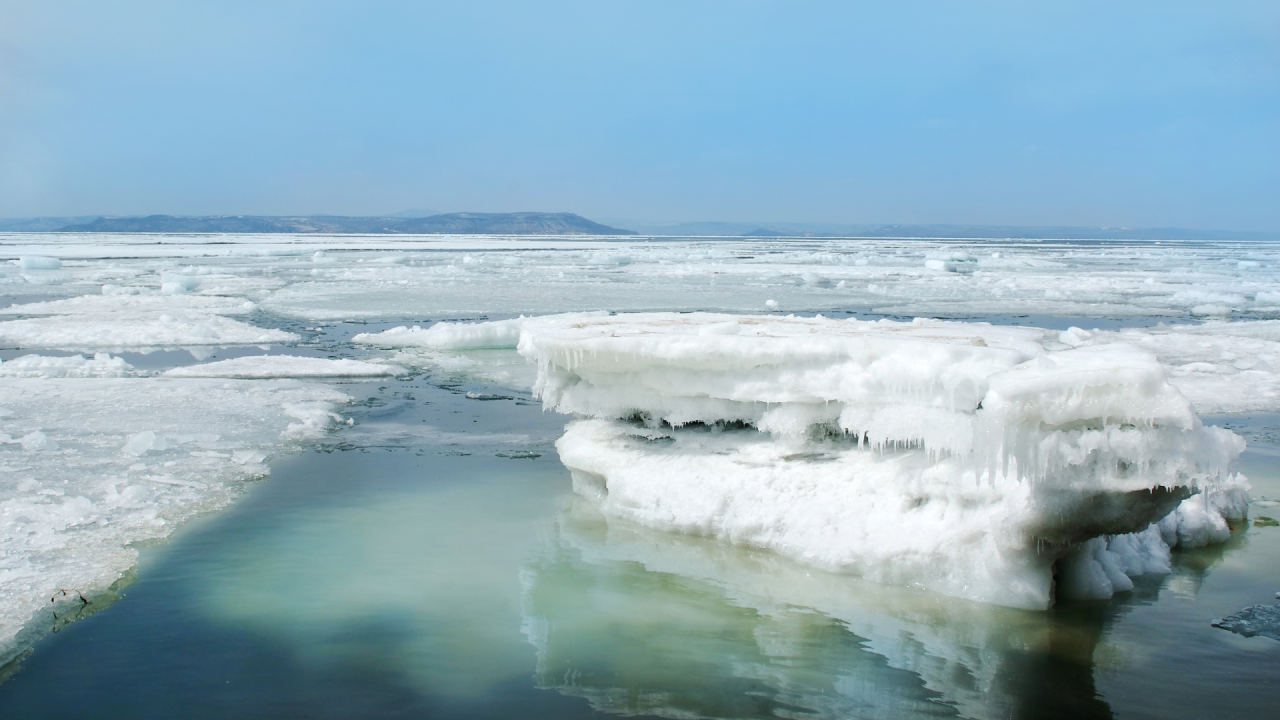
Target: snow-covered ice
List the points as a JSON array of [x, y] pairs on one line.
[[76, 366], [134, 321], [283, 366], [963, 458], [1221, 367], [448, 336]]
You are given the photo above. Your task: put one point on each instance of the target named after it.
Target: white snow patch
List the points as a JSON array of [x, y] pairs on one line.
[[284, 366], [1221, 367], [76, 366], [457, 335], [448, 336], [134, 321]]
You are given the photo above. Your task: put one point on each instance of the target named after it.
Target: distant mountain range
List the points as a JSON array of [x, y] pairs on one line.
[[536, 223], [42, 224], [525, 223]]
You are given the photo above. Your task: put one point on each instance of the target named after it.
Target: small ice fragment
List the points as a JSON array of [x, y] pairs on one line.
[[243, 457], [1074, 337], [771, 304], [1257, 620], [144, 442], [171, 284], [39, 262], [38, 441]]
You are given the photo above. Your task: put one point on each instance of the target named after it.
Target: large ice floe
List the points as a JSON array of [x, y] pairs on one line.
[[283, 366], [134, 321], [962, 458], [92, 466], [1221, 367]]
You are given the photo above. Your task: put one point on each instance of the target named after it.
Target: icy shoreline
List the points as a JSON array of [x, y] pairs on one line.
[[94, 466]]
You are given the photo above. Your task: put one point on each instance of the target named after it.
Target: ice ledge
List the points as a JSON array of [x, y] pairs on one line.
[[962, 458]]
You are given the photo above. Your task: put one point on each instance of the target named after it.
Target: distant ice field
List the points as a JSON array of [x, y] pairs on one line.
[[344, 277], [113, 342]]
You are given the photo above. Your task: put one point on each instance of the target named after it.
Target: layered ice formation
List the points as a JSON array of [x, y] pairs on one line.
[[91, 466], [961, 458]]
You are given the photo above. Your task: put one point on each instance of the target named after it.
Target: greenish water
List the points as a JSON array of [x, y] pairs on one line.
[[434, 568]]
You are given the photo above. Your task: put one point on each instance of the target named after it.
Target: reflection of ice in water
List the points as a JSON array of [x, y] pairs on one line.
[[436, 566], [632, 619], [639, 621]]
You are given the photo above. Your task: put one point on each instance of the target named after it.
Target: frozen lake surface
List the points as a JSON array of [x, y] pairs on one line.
[[419, 547]]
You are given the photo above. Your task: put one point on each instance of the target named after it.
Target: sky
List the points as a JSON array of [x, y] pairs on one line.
[[1117, 114]]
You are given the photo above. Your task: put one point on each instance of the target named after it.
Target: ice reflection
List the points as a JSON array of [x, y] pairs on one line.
[[638, 621]]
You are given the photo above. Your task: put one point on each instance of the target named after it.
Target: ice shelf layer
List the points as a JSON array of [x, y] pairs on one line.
[[962, 458]]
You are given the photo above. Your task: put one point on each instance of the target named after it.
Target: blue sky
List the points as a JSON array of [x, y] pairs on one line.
[[1065, 113]]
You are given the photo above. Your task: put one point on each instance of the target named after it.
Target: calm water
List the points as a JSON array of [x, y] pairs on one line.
[[431, 566]]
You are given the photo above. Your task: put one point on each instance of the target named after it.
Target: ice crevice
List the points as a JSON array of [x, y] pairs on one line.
[[964, 458]]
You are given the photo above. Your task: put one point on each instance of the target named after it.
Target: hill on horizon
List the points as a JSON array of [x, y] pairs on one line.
[[520, 223]]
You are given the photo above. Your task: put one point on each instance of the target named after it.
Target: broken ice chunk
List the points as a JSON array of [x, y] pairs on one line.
[[1257, 620], [144, 442]]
